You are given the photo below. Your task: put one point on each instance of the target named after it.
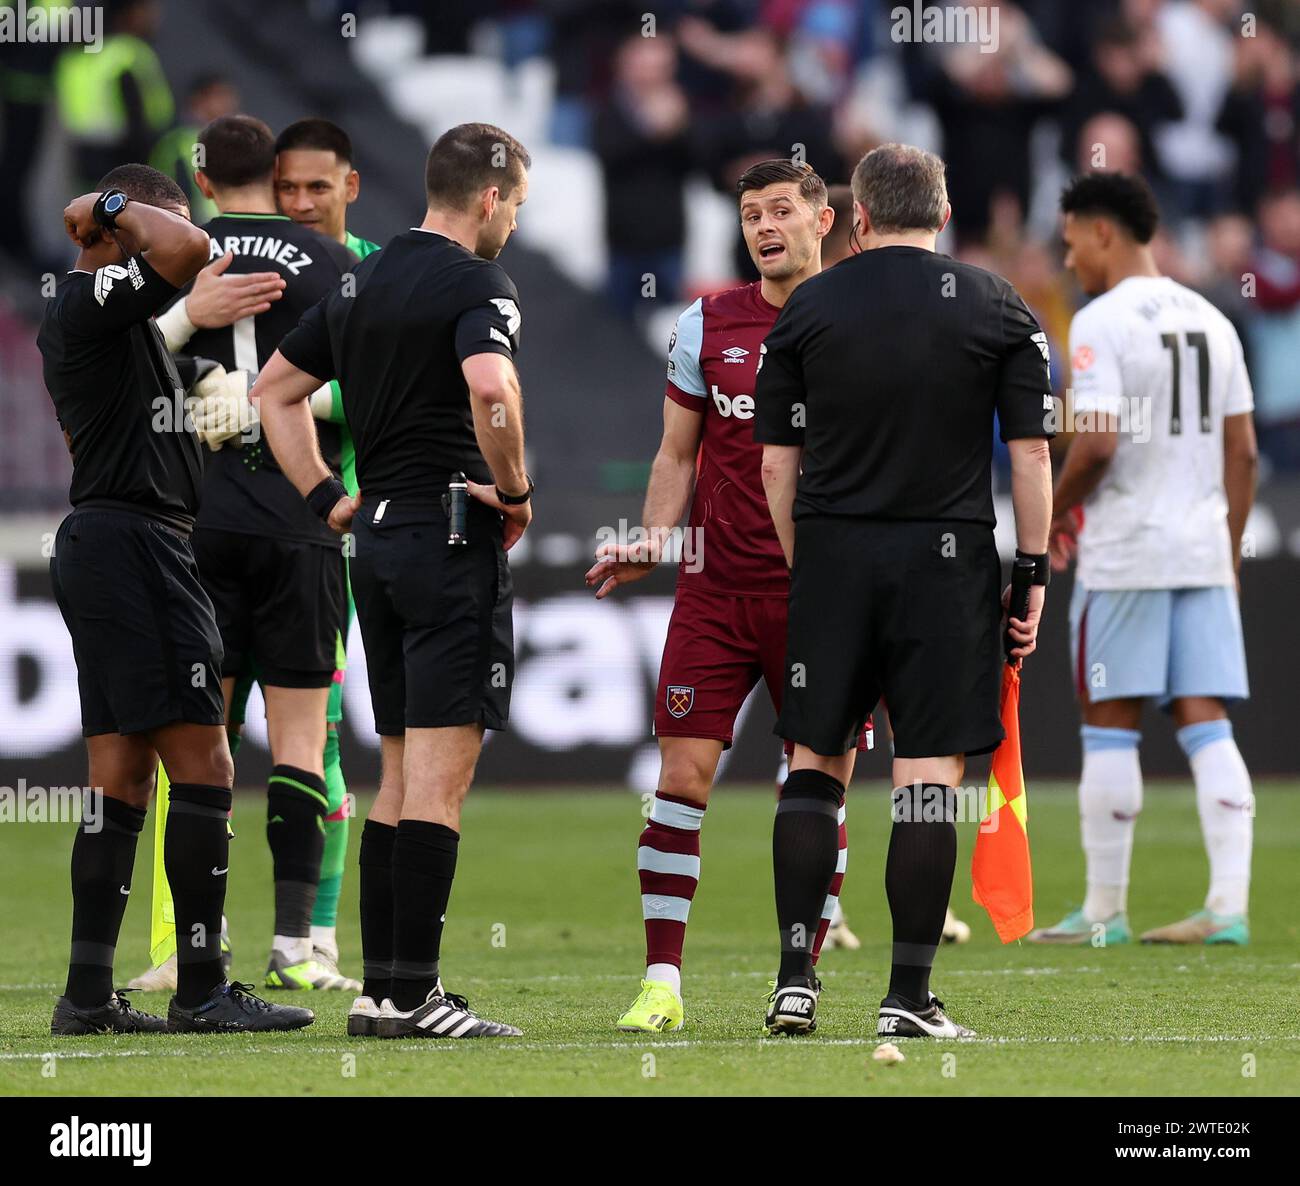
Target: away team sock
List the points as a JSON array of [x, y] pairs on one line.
[[103, 856], [805, 852], [1226, 805], [918, 882], [376, 888], [832, 904], [196, 854], [1110, 798], [424, 864], [334, 856], [668, 868], [296, 804]]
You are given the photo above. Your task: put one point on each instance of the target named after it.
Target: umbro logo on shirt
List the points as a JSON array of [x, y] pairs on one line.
[[735, 354]]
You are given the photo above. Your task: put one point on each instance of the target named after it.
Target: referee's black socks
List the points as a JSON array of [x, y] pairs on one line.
[[103, 856], [805, 848], [918, 882], [196, 855], [424, 863], [296, 806], [376, 889]]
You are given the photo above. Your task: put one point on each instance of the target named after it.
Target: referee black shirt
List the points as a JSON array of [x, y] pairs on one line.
[[118, 396], [422, 305], [884, 438]]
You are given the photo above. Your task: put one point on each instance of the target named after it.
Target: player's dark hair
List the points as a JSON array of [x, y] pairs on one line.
[[1122, 197], [811, 187], [467, 159], [316, 134], [141, 183], [237, 150]]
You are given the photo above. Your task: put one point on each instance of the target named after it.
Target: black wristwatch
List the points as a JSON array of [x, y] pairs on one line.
[[516, 500], [1042, 567], [107, 207]]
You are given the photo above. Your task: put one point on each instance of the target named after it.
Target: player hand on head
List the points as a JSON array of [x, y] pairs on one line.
[[1025, 633], [621, 564], [1063, 538], [79, 220], [219, 300], [516, 518]]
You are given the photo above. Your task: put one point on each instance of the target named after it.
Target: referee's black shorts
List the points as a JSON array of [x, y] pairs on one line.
[[280, 604], [143, 633], [907, 611], [435, 618]]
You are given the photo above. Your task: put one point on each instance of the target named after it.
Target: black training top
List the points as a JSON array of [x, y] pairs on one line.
[[244, 489], [888, 369], [117, 395], [422, 305]]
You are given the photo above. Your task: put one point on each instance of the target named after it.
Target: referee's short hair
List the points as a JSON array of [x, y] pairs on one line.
[[902, 188], [811, 187], [1122, 197], [316, 134], [467, 159], [237, 150], [143, 183]]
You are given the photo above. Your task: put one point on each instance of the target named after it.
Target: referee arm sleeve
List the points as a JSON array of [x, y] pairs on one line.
[[780, 410]]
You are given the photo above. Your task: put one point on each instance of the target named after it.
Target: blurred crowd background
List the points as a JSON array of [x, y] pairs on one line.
[[640, 138]]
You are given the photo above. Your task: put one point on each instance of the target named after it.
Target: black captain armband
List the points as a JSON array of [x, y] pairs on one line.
[[325, 495], [1042, 568]]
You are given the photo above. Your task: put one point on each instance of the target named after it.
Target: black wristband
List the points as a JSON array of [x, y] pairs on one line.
[[1042, 567], [107, 207], [325, 496], [516, 500]]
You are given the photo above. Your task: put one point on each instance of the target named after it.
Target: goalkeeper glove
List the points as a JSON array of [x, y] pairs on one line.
[[219, 406]]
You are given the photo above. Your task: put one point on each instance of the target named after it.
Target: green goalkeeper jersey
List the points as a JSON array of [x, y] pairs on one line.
[[348, 453]]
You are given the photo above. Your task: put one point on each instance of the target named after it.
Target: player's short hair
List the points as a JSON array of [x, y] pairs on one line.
[[1124, 198], [142, 183], [237, 150], [316, 134], [902, 187], [468, 158], [811, 187]]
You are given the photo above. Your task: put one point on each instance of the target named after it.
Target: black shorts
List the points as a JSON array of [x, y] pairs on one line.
[[143, 633], [280, 604], [435, 618], [907, 611]]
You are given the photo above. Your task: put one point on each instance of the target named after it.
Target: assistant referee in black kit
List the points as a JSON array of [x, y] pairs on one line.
[[875, 405], [424, 353]]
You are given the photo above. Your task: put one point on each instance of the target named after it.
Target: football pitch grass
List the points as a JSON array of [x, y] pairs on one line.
[[545, 932]]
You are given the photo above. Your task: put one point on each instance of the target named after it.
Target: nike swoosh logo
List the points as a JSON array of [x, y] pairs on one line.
[[218, 872], [124, 889]]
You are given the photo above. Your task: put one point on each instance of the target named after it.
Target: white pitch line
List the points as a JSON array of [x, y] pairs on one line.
[[414, 1048]]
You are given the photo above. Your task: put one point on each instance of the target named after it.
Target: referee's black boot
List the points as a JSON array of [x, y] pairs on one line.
[[232, 1008], [792, 1006], [116, 1016], [901, 1018]]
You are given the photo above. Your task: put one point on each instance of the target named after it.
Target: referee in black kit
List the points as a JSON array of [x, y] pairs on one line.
[[143, 633], [875, 405], [424, 352]]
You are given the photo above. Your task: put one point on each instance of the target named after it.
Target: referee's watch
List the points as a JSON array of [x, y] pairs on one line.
[[516, 500], [107, 207], [1042, 568]]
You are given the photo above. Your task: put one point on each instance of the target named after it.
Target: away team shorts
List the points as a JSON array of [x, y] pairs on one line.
[[1163, 643]]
